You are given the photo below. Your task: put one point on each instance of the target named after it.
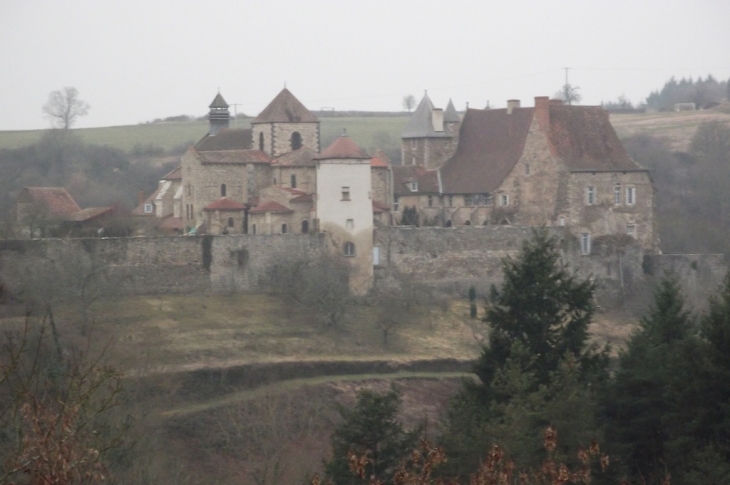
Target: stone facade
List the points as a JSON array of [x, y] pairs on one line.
[[277, 137]]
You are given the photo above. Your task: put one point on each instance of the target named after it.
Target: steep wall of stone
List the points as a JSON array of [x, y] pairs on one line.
[[700, 274]]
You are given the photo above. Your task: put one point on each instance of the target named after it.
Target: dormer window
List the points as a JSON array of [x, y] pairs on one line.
[[413, 186], [148, 208]]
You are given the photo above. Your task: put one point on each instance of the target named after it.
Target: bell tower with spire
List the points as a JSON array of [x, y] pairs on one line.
[[219, 116]]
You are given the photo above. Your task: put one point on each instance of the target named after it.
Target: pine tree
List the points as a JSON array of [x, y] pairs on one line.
[[542, 306], [371, 428]]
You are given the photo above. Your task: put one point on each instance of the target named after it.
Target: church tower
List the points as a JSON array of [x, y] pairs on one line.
[[285, 125], [219, 116]]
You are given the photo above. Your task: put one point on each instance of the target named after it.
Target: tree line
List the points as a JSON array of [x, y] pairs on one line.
[[702, 92]]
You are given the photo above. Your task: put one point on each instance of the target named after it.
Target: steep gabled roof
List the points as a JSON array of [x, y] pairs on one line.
[[303, 157], [582, 138], [269, 206], [174, 174], [404, 175], [285, 108], [343, 147], [450, 114], [59, 202], [226, 139], [90, 213], [490, 144], [224, 204], [218, 102], [421, 123]]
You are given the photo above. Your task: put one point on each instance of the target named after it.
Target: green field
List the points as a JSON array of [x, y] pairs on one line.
[[369, 132]]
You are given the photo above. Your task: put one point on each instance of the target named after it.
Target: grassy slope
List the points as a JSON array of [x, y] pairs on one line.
[[370, 132]]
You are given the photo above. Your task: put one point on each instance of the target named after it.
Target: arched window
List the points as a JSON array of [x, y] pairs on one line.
[[467, 223], [296, 141], [293, 181], [448, 223], [305, 226], [283, 228], [349, 249], [230, 222], [261, 141], [253, 229], [223, 190]]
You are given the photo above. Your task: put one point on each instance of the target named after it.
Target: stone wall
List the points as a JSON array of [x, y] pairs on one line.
[[700, 274], [152, 265]]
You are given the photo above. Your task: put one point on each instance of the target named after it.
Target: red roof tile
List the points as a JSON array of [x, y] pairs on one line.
[[90, 213], [59, 202], [285, 108], [269, 206], [380, 160], [343, 147], [224, 204], [226, 139]]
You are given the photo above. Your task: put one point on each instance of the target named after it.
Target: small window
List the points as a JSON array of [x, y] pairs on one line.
[[561, 221], [451, 201], [293, 181], [376, 255], [261, 141], [223, 190], [396, 203], [305, 226], [430, 201], [274, 180], [283, 228], [590, 195], [617, 194], [448, 223], [190, 190], [503, 200], [468, 200], [230, 222], [253, 229], [527, 169], [631, 230], [296, 141], [350, 224], [630, 195], [585, 243], [345, 193], [414, 186], [467, 223], [349, 249], [148, 208]]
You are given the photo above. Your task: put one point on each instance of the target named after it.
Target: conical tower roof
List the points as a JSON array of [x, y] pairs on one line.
[[285, 108], [343, 147], [421, 123], [218, 102], [450, 114]]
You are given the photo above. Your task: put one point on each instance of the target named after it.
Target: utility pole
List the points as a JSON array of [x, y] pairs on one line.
[[235, 113]]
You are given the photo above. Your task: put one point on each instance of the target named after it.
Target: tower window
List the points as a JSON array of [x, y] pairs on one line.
[[349, 249], [396, 203], [293, 181], [230, 222], [296, 141], [585, 243], [283, 228], [630, 195], [617, 194], [305, 227], [261, 141], [590, 195], [253, 229], [504, 200], [350, 224], [345, 193], [223, 190], [430, 201]]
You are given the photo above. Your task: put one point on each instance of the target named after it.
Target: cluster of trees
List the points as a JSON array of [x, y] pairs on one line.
[[692, 201], [701, 92], [662, 413]]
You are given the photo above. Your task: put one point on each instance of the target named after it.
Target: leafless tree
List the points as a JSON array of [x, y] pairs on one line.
[[569, 94], [409, 102], [64, 107]]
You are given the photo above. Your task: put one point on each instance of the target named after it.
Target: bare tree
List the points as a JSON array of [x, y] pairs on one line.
[[569, 94], [64, 107], [409, 102]]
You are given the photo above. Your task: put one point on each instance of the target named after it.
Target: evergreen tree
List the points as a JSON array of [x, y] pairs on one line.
[[652, 403], [542, 306], [371, 428]]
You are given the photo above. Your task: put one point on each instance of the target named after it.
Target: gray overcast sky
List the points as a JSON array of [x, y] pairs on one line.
[[134, 61]]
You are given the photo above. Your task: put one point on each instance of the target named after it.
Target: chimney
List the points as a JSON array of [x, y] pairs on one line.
[[542, 111], [141, 197], [512, 104], [437, 119]]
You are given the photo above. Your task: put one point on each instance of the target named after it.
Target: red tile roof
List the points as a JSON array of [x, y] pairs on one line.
[[174, 175], [343, 147], [85, 215], [285, 108], [224, 204], [380, 160], [490, 144], [269, 206], [426, 179], [303, 198], [226, 139], [234, 157], [59, 202]]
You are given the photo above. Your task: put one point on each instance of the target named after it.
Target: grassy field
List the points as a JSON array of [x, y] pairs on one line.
[[370, 132]]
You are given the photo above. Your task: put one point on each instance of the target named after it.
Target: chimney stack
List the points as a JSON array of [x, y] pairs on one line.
[[437, 119], [542, 111], [512, 104]]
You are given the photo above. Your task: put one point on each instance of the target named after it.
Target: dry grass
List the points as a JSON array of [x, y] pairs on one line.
[[678, 127]]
